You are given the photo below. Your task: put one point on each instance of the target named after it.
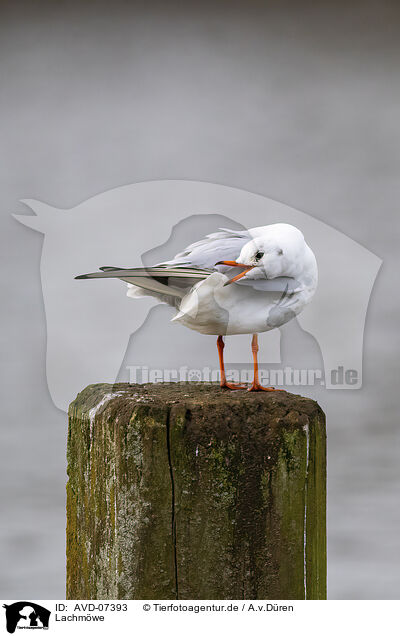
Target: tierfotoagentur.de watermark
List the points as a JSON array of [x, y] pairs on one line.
[[286, 376]]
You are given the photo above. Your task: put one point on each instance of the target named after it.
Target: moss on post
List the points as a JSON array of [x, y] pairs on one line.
[[187, 491]]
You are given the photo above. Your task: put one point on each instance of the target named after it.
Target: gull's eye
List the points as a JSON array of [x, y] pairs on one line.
[[280, 252], [259, 256]]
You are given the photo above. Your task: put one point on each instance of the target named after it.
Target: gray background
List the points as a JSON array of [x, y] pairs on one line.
[[296, 101]]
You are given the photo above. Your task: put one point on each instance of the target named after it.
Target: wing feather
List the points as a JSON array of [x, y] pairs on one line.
[[164, 280]]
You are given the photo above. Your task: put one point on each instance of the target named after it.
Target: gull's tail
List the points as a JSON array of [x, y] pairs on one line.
[[163, 280]]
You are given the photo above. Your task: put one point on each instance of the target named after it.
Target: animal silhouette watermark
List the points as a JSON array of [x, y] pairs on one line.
[[26, 615], [94, 334]]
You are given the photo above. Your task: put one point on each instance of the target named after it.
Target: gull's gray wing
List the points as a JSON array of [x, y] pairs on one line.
[[173, 278], [224, 245]]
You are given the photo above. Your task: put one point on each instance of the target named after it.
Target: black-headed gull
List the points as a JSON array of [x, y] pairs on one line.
[[231, 282]]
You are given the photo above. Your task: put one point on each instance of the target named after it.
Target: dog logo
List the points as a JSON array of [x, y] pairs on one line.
[[26, 615]]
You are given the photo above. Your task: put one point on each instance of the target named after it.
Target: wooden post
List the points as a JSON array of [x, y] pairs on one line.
[[187, 491]]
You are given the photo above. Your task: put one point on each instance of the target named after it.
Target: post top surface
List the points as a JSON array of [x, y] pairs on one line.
[[191, 395]]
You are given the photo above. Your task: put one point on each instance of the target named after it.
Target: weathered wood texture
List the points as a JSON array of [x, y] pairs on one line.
[[191, 492]]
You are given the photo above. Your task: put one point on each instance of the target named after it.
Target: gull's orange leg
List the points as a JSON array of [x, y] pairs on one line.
[[224, 383], [255, 385]]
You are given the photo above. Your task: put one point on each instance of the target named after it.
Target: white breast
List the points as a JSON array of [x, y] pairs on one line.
[[215, 309]]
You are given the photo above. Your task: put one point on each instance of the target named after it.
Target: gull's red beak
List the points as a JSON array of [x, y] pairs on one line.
[[235, 264]]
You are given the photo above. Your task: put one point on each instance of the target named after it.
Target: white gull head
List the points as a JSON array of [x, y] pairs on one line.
[[279, 250]]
